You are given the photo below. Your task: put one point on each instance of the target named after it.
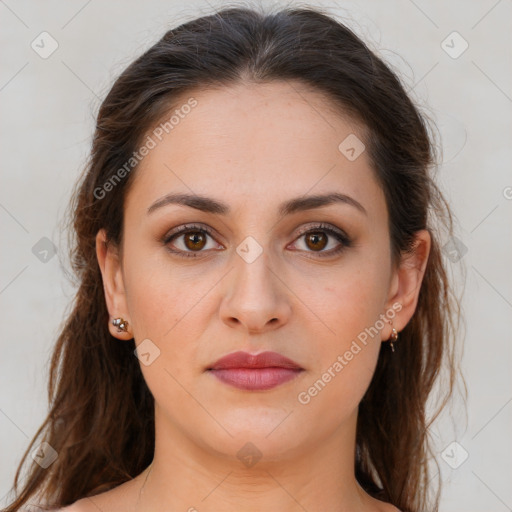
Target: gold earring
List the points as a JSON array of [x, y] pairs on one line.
[[121, 324], [393, 338]]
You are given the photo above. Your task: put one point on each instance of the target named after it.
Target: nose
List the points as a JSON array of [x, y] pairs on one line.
[[256, 299]]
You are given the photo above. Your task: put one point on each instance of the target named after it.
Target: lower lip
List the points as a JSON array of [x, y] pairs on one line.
[[255, 378]]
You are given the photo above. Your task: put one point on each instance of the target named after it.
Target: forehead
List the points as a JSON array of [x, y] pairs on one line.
[[253, 144]]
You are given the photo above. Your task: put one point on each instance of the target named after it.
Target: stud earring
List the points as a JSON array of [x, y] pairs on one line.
[[121, 324]]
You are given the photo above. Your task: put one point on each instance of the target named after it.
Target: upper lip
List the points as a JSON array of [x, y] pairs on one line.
[[242, 359]]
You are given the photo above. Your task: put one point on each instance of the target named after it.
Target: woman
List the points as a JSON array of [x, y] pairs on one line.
[[263, 308]]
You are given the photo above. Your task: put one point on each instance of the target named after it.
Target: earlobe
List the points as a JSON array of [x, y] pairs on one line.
[[113, 285], [408, 279]]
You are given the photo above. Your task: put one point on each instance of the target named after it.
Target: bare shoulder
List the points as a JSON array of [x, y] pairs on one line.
[[383, 506], [82, 505], [104, 501], [388, 507], [118, 499]]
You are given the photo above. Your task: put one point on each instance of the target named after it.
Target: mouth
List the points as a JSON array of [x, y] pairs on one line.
[[258, 379], [255, 372]]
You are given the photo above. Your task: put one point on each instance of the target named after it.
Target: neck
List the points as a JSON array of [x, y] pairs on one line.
[[192, 478]]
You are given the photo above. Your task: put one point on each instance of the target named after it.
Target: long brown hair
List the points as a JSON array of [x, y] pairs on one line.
[[101, 412]]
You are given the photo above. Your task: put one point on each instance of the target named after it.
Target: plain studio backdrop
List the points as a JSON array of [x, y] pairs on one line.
[[60, 58]]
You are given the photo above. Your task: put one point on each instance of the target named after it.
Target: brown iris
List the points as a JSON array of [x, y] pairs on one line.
[[318, 240], [195, 240]]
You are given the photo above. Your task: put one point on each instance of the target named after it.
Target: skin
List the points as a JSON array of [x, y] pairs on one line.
[[254, 147]]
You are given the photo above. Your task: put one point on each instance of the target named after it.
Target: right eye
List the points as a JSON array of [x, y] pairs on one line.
[[194, 238]]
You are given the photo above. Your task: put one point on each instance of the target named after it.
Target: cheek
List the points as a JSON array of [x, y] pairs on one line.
[[169, 306], [345, 356], [159, 293], [334, 393], [163, 311], [348, 302], [347, 334]]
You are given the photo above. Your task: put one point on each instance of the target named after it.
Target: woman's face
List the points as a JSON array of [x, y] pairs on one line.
[[254, 280]]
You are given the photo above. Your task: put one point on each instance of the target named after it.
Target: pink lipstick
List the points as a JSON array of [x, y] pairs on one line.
[[255, 372]]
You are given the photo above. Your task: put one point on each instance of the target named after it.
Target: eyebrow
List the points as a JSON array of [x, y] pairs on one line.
[[298, 204]]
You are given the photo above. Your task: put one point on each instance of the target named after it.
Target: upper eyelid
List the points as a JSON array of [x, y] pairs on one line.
[[322, 225]]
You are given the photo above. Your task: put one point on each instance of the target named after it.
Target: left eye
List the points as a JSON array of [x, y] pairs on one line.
[[318, 238]]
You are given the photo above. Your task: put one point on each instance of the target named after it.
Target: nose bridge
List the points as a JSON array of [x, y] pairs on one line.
[[255, 298], [252, 266]]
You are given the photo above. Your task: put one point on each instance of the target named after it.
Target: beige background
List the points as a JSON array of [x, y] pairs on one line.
[[48, 108]]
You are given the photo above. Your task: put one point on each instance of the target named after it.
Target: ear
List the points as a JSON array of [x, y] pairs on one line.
[[406, 283], [113, 284]]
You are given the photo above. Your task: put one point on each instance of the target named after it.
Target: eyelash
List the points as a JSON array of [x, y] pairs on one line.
[[186, 228]]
